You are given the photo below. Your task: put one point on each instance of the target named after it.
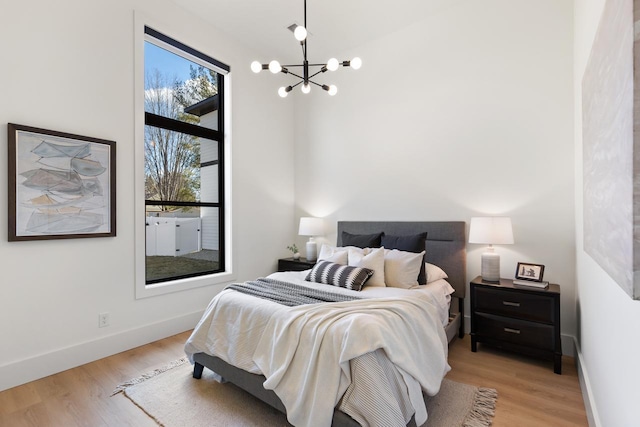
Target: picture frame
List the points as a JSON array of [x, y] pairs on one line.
[[528, 271], [61, 185]]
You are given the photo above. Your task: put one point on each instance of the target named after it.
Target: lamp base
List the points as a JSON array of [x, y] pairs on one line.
[[312, 250], [490, 270]]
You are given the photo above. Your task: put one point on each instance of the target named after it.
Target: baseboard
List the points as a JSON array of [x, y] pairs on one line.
[[587, 392], [33, 368]]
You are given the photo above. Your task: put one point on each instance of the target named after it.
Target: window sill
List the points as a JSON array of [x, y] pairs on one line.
[[145, 291]]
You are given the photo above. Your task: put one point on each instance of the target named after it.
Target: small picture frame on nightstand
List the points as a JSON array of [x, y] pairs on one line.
[[527, 271]]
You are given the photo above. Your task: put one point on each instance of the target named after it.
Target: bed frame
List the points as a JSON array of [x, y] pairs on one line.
[[445, 247]]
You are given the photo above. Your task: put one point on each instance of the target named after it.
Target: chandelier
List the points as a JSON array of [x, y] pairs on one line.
[[305, 80]]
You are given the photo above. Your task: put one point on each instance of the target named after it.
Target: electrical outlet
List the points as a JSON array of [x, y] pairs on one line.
[[103, 320]]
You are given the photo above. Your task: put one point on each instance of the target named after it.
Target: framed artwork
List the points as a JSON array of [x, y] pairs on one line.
[[526, 271], [61, 186], [611, 146]]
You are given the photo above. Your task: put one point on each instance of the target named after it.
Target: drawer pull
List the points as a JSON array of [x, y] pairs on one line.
[[512, 331], [511, 304]]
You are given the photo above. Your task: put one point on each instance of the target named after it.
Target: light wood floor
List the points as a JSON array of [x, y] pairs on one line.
[[529, 393]]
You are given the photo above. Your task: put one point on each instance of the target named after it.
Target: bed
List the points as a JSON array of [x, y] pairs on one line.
[[267, 330]]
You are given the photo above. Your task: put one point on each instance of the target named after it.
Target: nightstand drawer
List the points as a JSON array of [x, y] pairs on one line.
[[521, 305], [515, 331]]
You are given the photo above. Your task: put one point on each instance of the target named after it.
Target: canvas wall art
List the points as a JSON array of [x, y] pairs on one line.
[[60, 185], [611, 182]]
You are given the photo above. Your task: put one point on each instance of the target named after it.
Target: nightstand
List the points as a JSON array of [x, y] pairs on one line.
[[521, 319], [290, 264]]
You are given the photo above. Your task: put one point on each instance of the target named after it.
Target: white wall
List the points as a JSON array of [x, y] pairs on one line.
[[608, 319], [467, 113], [69, 66], [447, 111]]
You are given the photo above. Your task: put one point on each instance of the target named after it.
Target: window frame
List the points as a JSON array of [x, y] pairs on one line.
[[144, 29]]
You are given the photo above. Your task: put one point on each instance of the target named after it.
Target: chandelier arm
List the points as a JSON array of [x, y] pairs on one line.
[[315, 74], [317, 84], [296, 65], [295, 75]]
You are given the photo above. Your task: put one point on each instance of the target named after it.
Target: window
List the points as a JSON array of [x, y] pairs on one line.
[[184, 173]]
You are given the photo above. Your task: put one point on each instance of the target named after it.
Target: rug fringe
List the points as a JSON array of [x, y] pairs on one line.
[[483, 409], [174, 364]]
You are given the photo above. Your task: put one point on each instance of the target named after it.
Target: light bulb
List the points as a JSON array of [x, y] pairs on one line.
[[305, 88], [333, 90], [300, 33], [332, 64], [283, 92], [275, 67], [356, 63], [256, 67]]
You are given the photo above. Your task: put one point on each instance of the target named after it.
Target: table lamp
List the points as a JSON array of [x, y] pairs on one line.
[[491, 231], [311, 227]]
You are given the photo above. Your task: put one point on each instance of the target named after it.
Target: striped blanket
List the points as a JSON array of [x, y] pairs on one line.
[[289, 294]]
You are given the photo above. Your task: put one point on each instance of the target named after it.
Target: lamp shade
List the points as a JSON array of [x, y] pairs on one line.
[[491, 231], [310, 226]]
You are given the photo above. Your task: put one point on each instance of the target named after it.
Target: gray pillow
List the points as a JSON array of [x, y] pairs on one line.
[[361, 240]]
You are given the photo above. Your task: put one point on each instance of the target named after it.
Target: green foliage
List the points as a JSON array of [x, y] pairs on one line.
[[203, 84], [293, 248]]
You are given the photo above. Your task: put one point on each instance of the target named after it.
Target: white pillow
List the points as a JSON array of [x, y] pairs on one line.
[[401, 268], [434, 272], [333, 254], [373, 259]]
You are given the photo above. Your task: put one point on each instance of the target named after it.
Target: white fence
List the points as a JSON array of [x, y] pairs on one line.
[[173, 236]]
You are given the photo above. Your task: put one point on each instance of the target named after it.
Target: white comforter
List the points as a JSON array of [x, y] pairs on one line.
[[305, 351]]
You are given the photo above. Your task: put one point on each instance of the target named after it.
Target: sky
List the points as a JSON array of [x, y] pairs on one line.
[[172, 64]]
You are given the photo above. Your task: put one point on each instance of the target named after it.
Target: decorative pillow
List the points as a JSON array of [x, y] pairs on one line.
[[434, 273], [411, 243], [344, 276], [333, 254], [361, 240], [372, 259], [401, 268]]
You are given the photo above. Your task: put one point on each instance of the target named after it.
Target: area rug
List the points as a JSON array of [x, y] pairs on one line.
[[172, 398]]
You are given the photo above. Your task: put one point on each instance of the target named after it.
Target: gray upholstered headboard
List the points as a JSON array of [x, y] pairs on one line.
[[445, 244]]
